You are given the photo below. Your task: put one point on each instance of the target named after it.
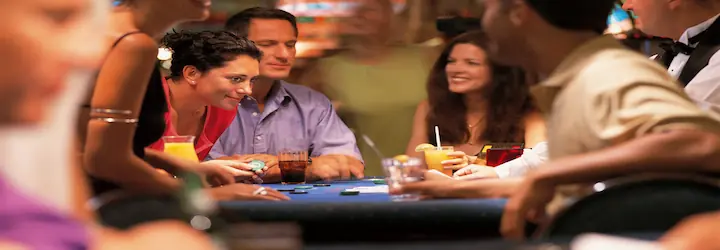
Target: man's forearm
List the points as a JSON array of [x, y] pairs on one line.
[[662, 152], [489, 188]]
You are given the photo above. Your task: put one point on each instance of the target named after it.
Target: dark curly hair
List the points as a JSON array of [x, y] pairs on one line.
[[508, 100], [206, 50]]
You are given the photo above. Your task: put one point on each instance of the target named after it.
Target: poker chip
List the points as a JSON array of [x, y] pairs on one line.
[[298, 192], [379, 182], [346, 192], [321, 185], [303, 187], [257, 165], [285, 189]]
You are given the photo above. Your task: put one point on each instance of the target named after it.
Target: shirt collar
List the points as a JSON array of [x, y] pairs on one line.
[[546, 91], [697, 29], [279, 93]]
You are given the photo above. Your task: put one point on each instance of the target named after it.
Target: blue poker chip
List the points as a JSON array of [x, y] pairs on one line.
[[257, 165]]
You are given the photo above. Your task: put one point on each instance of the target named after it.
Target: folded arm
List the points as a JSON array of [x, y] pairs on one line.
[[680, 150]]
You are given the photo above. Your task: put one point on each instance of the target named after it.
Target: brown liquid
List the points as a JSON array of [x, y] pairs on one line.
[[292, 172]]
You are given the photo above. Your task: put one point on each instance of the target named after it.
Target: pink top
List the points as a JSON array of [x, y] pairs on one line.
[[216, 121]]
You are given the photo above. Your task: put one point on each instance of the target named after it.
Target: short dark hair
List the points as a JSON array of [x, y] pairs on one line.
[[206, 50], [580, 15], [240, 22]]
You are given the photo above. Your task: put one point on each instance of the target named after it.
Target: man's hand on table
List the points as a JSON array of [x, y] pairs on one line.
[[697, 232], [526, 203], [454, 189], [432, 189], [328, 167], [242, 191]]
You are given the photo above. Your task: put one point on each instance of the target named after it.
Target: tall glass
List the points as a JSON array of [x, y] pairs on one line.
[[400, 172], [292, 166], [182, 146], [435, 156]]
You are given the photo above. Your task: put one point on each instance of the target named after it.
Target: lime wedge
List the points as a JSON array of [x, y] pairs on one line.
[[423, 147], [402, 158]]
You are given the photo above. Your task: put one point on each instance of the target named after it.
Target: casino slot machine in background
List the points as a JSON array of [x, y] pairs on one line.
[[621, 24], [318, 23]]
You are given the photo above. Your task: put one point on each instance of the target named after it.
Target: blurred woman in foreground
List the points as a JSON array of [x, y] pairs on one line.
[[33, 74]]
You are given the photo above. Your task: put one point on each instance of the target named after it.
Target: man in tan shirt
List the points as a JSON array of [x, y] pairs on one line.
[[596, 94]]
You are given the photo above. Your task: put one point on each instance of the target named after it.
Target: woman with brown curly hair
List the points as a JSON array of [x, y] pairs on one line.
[[474, 101]]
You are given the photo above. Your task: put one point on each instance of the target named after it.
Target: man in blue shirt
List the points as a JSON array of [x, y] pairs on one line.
[[283, 116]]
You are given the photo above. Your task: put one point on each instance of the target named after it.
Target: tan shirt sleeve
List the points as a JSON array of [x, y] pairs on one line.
[[640, 102]]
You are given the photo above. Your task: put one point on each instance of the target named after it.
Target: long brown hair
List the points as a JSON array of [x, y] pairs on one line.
[[507, 95]]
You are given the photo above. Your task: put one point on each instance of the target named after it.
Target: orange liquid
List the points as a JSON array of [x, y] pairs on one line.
[[185, 150], [434, 157]]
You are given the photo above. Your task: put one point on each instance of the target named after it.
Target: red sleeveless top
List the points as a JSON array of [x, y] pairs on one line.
[[216, 121]]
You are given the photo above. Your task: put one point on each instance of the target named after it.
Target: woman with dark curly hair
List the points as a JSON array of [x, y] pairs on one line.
[[474, 101], [211, 72]]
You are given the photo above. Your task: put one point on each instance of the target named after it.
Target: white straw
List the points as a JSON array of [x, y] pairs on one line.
[[437, 137]]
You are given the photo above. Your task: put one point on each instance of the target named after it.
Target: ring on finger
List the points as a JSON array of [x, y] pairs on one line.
[[260, 191]]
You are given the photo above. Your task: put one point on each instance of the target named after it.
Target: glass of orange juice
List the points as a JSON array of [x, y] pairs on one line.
[[182, 146], [435, 156]]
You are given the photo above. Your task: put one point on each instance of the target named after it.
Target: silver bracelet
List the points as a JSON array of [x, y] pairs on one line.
[[116, 120], [111, 111]]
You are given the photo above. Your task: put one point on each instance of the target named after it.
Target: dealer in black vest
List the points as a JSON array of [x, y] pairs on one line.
[[693, 59]]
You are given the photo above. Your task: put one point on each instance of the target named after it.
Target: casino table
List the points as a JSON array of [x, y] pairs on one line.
[[324, 215]]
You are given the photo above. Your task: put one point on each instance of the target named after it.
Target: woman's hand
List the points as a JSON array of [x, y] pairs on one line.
[[215, 175], [473, 172], [241, 191], [240, 170], [459, 160]]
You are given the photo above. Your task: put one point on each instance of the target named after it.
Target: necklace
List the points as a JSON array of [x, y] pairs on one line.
[[471, 127]]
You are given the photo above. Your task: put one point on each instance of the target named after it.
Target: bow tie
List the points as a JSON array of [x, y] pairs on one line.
[[678, 47]]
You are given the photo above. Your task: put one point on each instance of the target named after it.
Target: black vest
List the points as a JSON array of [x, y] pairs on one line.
[[700, 56]]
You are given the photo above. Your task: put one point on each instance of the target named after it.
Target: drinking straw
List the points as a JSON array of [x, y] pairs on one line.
[[372, 146], [437, 137]]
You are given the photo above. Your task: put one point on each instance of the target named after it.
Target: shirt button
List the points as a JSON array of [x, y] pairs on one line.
[[254, 114], [259, 137]]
